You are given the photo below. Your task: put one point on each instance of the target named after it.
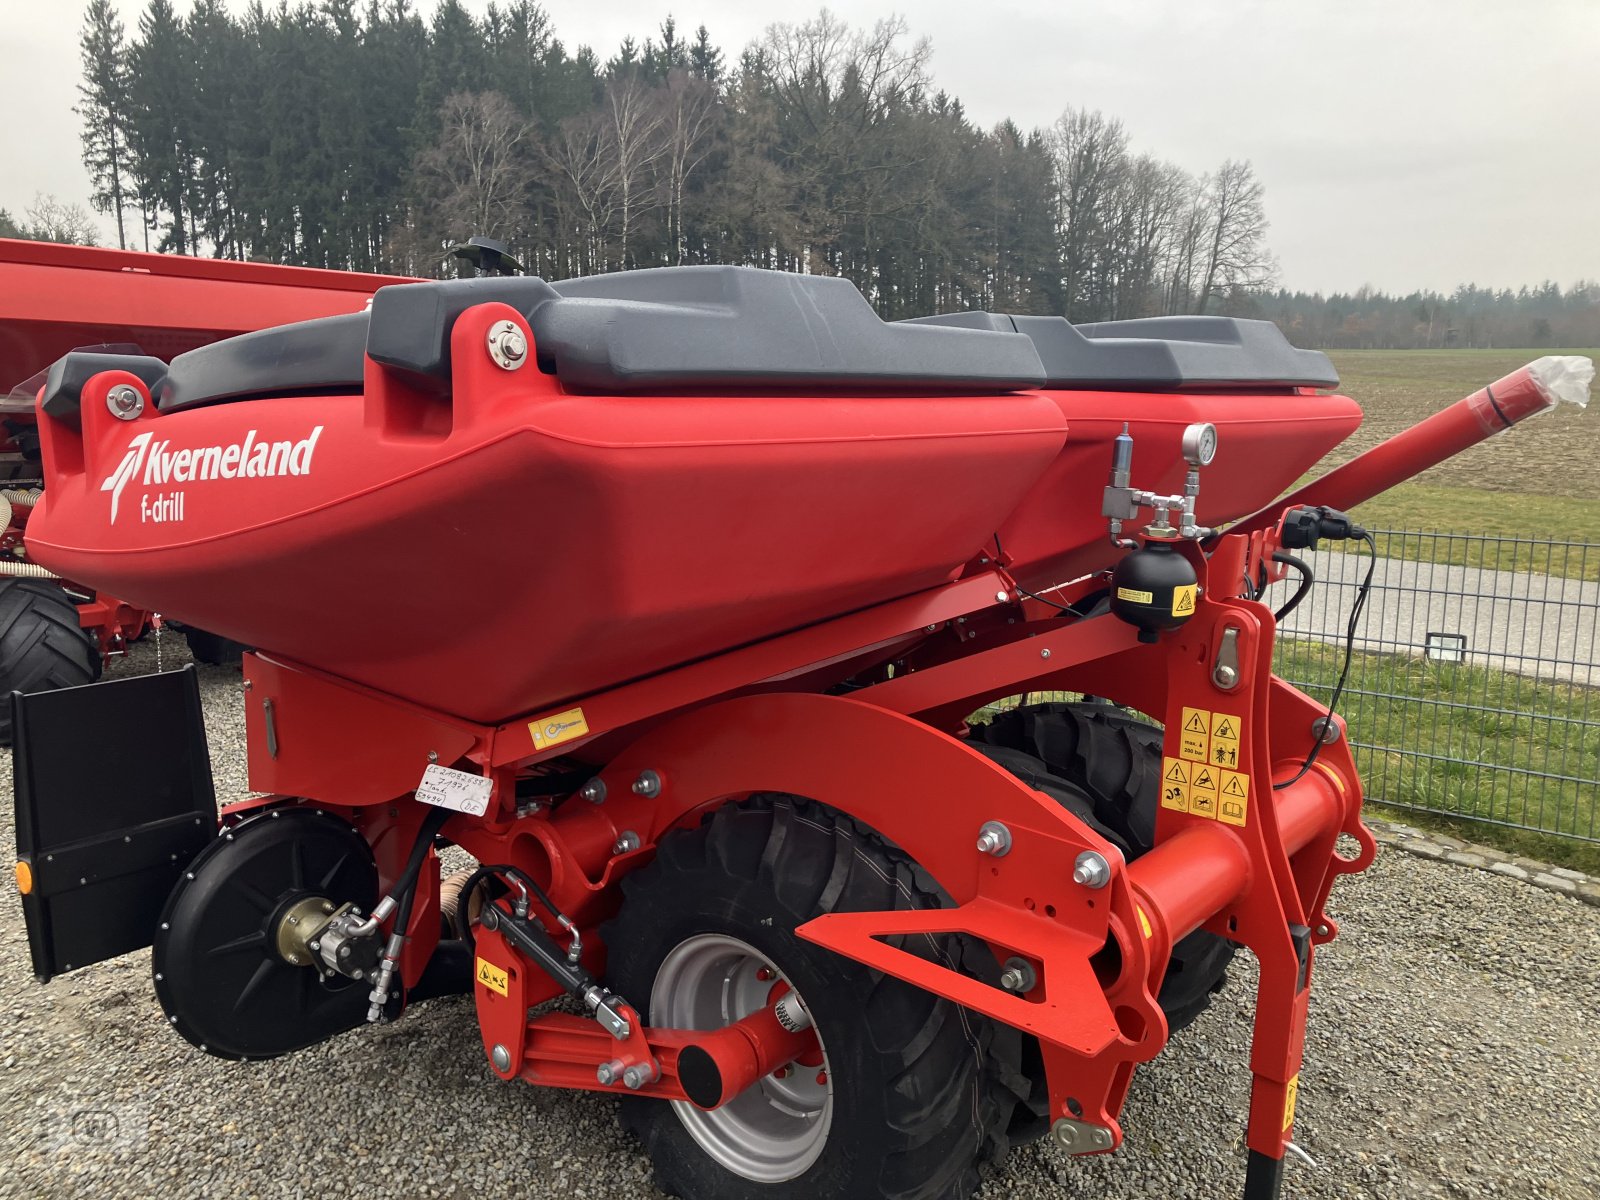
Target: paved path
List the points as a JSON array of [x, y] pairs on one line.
[[1519, 621]]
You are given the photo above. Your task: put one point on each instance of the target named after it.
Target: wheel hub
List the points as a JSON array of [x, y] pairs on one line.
[[775, 1129]]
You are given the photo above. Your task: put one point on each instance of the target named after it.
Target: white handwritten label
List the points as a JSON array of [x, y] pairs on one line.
[[445, 787]]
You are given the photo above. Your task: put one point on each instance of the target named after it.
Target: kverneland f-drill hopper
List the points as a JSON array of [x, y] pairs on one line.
[[669, 597]]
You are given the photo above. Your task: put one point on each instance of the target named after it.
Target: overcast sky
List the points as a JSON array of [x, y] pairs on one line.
[[1403, 143]]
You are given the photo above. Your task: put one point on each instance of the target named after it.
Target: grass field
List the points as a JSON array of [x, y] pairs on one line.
[[1479, 750], [1520, 484]]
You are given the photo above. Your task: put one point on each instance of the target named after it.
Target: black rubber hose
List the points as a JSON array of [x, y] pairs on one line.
[[406, 886], [1306, 580]]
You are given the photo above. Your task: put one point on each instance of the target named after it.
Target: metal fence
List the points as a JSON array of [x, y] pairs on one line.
[[1474, 690]]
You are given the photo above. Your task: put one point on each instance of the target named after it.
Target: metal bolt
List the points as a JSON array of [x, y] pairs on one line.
[[607, 1072], [1323, 931], [327, 905], [491, 918], [647, 785], [636, 1076], [295, 959], [159, 977], [508, 348], [763, 973], [994, 838], [1018, 976], [1225, 675], [1091, 870], [1326, 730], [781, 1073], [500, 1057], [1002, 597], [433, 756], [1045, 653], [594, 791], [318, 945], [627, 843], [124, 402], [930, 629]]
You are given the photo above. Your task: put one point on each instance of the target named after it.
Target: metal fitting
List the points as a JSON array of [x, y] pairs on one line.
[[994, 838], [124, 402], [627, 843], [609, 1072], [500, 1057], [508, 348], [594, 791], [791, 1013], [639, 1074], [1325, 730], [647, 785], [1002, 597], [1091, 870], [1080, 1137], [1018, 976]]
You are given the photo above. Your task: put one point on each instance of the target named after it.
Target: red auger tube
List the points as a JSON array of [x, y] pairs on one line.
[[1527, 391]]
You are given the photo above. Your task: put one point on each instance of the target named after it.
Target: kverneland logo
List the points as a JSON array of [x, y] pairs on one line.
[[154, 464]]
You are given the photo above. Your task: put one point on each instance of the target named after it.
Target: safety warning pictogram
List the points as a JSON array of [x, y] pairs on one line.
[[1235, 797], [1183, 600], [1194, 735], [1203, 792], [1175, 784]]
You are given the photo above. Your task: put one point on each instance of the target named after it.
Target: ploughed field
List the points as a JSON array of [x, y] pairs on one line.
[[1518, 484], [1455, 1002]]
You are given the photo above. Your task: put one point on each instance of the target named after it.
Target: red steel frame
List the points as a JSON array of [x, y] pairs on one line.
[[1246, 840], [896, 762]]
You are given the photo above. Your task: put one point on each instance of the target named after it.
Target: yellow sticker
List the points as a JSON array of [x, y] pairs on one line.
[[1134, 596], [1226, 729], [562, 727], [1144, 921], [1183, 600], [1235, 797], [1194, 735], [1203, 792], [1175, 784], [1289, 1099], [492, 977]]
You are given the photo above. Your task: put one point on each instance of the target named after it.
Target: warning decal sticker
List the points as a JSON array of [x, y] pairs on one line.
[[1195, 734], [1203, 792], [1225, 731], [1289, 1099], [492, 977], [562, 727], [1235, 797], [1183, 600], [1175, 784]]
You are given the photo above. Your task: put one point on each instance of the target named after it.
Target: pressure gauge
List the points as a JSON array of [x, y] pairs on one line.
[[1200, 444]]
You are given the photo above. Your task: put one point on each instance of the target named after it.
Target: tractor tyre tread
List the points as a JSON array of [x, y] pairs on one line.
[[42, 645], [925, 1089]]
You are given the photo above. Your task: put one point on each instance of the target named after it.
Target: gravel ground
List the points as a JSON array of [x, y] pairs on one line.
[[1454, 1051]]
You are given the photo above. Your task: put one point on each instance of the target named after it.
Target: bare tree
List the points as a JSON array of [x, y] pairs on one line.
[[1235, 247], [1091, 158], [691, 118], [478, 172], [634, 119], [52, 220]]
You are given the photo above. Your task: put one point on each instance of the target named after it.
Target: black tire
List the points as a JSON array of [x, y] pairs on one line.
[[42, 646], [1106, 767], [925, 1089], [212, 649]]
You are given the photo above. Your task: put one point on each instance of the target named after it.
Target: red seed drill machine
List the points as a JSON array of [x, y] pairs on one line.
[[669, 598]]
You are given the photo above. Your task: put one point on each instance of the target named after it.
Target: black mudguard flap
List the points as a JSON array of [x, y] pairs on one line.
[[114, 798]]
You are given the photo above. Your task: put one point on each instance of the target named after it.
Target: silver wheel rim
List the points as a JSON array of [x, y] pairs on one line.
[[776, 1128]]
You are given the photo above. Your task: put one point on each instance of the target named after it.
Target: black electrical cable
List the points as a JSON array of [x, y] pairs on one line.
[[999, 555], [1356, 610], [1306, 580]]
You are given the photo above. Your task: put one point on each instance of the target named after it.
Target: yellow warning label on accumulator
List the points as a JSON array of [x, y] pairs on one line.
[[1183, 600], [1134, 596]]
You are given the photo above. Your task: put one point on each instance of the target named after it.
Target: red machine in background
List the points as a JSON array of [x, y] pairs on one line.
[[55, 299], [732, 571]]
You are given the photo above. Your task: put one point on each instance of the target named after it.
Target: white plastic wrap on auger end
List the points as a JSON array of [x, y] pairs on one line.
[[1563, 378]]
